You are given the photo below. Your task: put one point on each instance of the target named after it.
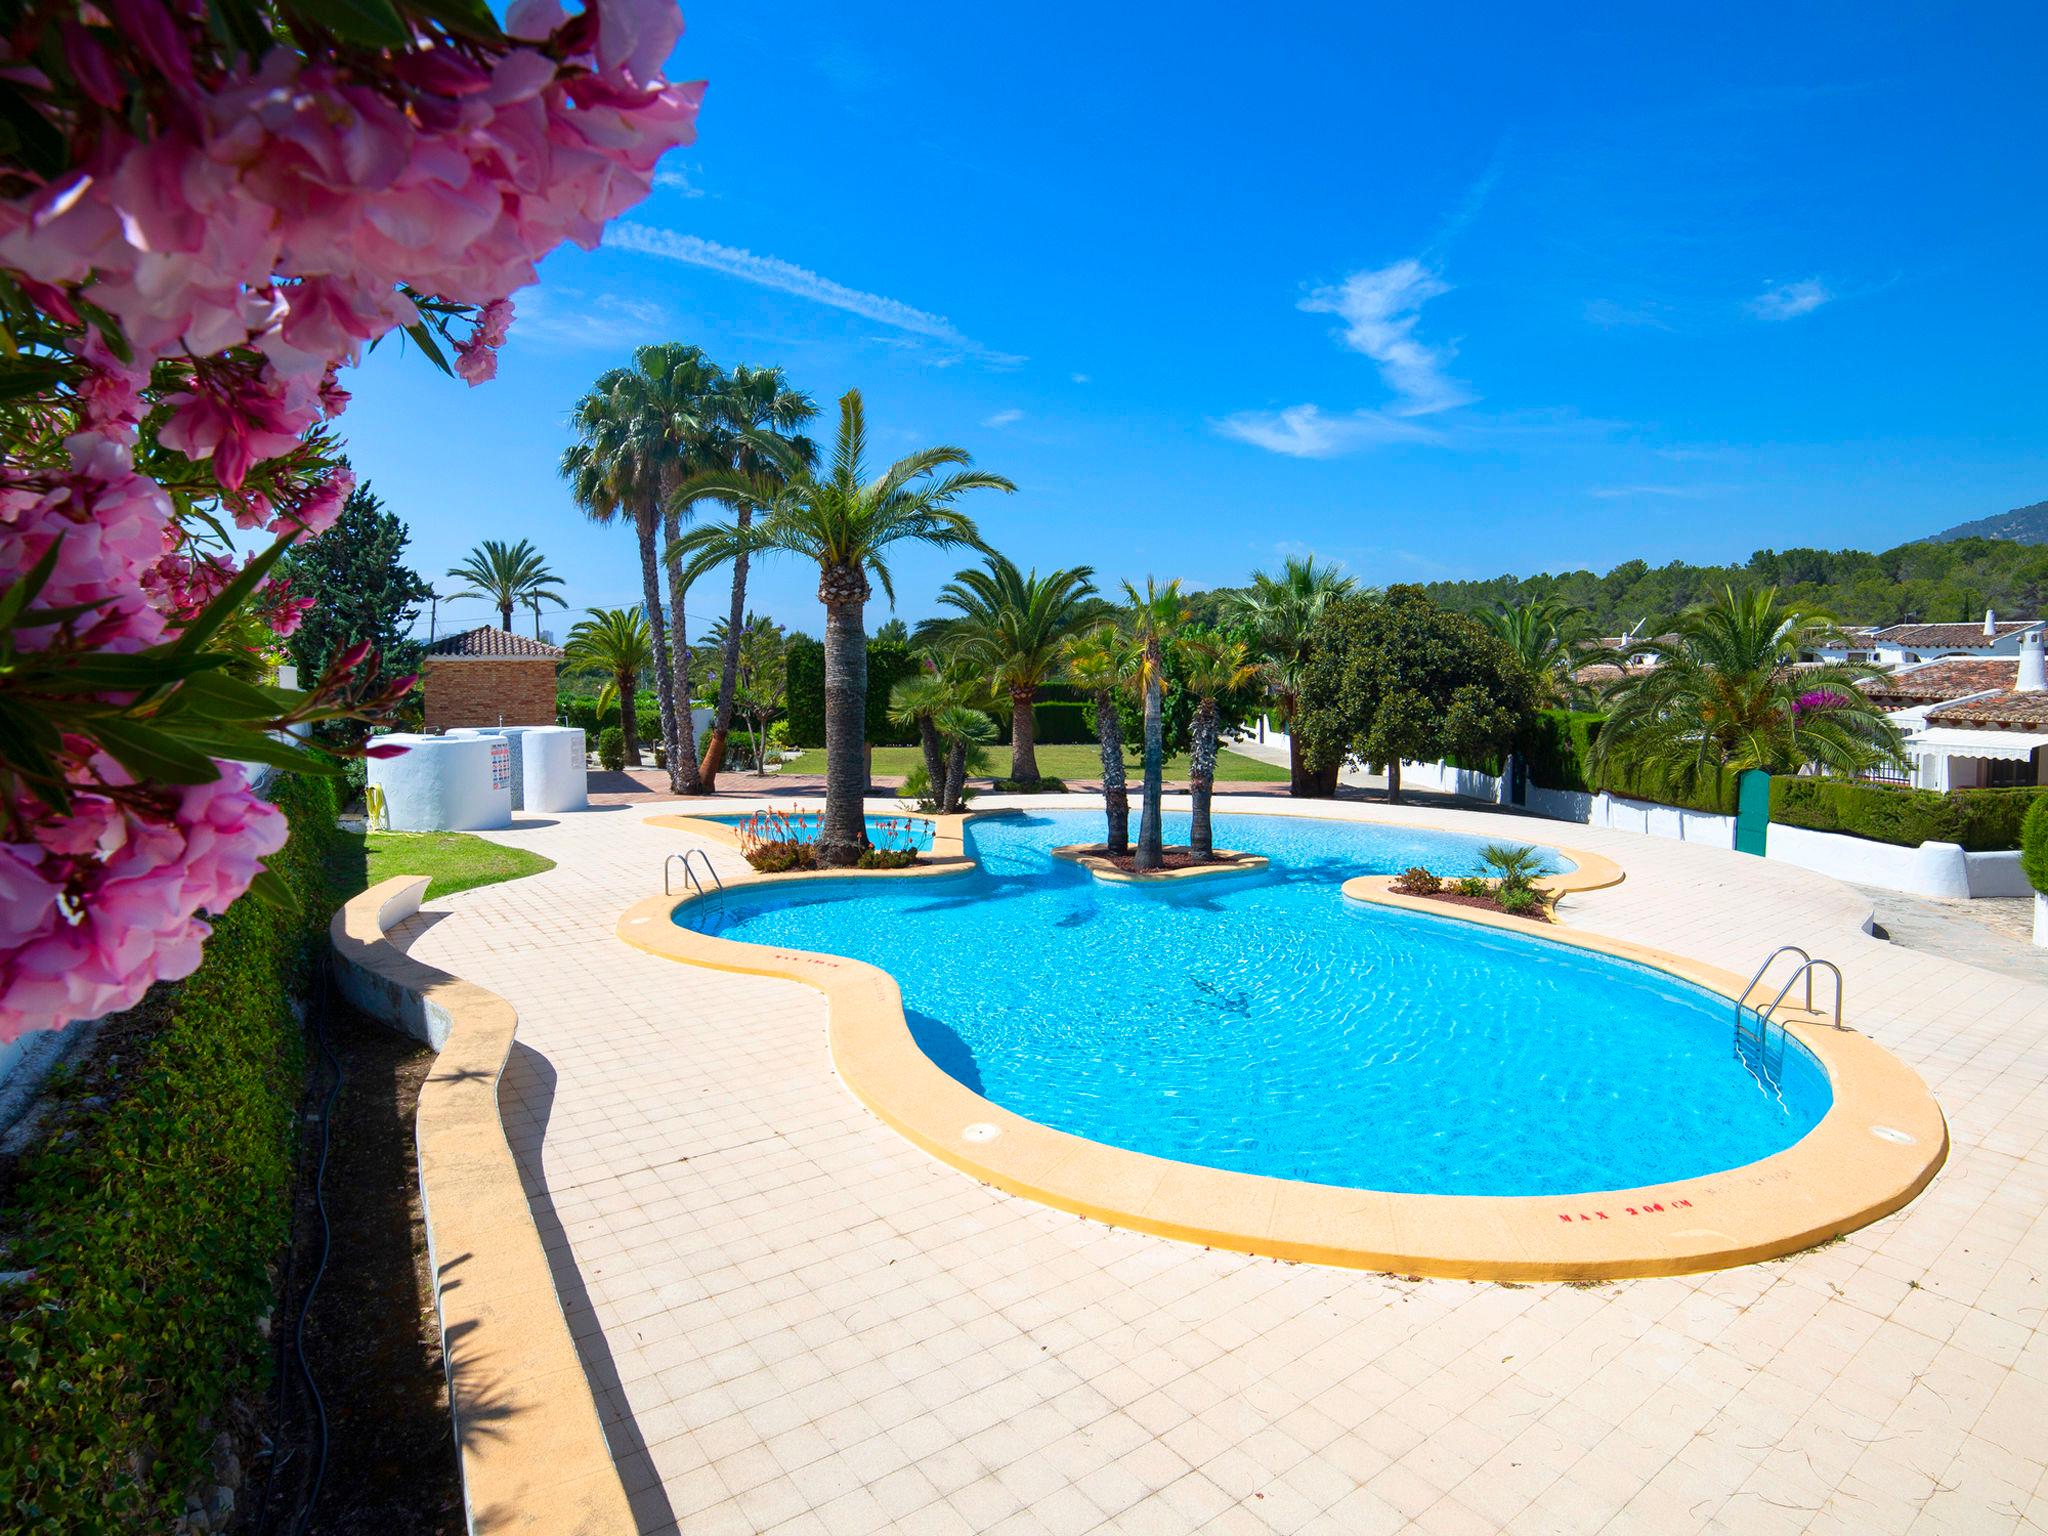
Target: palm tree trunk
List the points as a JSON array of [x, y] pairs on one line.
[[729, 664], [505, 615], [1202, 777], [1297, 775], [954, 800], [934, 758], [1150, 853], [625, 683], [645, 525], [683, 778], [1116, 798], [844, 834], [1023, 736]]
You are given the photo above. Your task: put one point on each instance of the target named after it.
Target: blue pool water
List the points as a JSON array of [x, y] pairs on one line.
[[1262, 1023], [883, 831]]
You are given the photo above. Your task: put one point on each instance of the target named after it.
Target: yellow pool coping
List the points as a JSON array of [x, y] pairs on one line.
[[1879, 1144], [1094, 857]]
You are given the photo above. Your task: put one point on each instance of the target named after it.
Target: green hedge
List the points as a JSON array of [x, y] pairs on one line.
[[151, 1231], [1061, 724], [889, 662], [2034, 843], [1982, 820]]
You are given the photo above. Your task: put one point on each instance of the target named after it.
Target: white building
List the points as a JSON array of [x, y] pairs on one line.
[[1993, 737], [1901, 645]]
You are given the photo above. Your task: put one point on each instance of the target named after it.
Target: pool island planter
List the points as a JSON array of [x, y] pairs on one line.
[[1882, 1139], [1095, 858]]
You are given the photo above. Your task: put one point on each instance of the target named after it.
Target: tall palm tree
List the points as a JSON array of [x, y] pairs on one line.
[[619, 643], [1014, 624], [1723, 694], [509, 575], [1282, 612], [1102, 660], [1551, 637], [848, 522], [1213, 668], [641, 432], [1157, 615], [750, 400]]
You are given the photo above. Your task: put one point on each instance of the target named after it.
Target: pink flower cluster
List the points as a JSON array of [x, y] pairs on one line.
[[271, 221]]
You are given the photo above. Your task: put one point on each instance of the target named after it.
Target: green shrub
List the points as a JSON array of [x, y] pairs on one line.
[[1417, 881], [804, 674], [1040, 786], [1058, 723], [647, 717], [2034, 843], [1979, 819], [149, 1229], [582, 713], [1521, 900], [1555, 747], [774, 858], [1473, 885], [611, 748], [888, 858]]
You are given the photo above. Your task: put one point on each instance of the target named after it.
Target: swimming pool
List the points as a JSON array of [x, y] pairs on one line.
[[1263, 1024], [883, 831]]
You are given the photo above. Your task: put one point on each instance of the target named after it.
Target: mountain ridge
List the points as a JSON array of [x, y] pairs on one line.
[[2023, 525]]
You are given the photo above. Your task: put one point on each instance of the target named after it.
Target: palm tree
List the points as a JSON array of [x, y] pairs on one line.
[[642, 431], [1013, 624], [750, 400], [1551, 636], [1213, 668], [960, 729], [510, 575], [1101, 660], [916, 701], [1157, 614], [1282, 612], [618, 643], [848, 523], [1723, 694]]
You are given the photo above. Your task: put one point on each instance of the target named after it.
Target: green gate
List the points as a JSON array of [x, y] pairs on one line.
[[1752, 810]]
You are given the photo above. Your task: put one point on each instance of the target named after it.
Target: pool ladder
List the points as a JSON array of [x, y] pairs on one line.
[[689, 858], [1753, 1022]]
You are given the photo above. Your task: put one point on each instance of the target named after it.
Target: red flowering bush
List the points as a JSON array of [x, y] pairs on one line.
[[207, 209]]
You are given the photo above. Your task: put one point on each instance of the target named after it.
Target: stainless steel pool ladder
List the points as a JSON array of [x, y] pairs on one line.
[[689, 857], [1753, 1023]]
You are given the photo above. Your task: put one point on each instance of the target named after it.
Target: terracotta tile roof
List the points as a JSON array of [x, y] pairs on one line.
[[2002, 711], [1959, 636], [487, 640], [1939, 680], [1599, 672]]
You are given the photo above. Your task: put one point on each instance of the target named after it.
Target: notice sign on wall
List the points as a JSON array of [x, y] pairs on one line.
[[501, 765]]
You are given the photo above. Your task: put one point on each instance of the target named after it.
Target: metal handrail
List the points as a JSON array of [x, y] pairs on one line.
[[709, 868], [688, 874], [1806, 970], [1782, 949]]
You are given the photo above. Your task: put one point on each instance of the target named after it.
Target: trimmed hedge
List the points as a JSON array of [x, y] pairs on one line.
[[1061, 724], [889, 662], [149, 1228], [1982, 820]]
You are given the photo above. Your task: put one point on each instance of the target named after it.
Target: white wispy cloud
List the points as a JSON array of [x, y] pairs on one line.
[[1380, 310], [678, 178], [1613, 313], [1787, 301], [1680, 492], [1078, 378], [788, 277], [568, 317], [1305, 432], [1003, 418]]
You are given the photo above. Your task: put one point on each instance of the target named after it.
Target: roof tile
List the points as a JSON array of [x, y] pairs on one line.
[[487, 640]]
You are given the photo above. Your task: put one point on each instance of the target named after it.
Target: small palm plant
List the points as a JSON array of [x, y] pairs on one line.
[[510, 576], [962, 730], [1215, 668], [1514, 867], [618, 643], [1103, 661]]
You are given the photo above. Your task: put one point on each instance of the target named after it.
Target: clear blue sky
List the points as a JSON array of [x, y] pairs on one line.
[[1428, 290]]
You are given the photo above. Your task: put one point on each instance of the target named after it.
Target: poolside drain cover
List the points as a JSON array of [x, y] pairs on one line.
[[981, 1130], [1892, 1134]]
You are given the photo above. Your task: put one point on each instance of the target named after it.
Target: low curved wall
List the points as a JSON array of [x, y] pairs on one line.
[[533, 1451]]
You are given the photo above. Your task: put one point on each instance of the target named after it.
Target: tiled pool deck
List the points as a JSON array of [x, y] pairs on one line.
[[796, 1321]]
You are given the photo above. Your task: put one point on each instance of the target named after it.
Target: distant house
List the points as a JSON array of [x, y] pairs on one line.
[[1990, 732], [1903, 644], [1858, 644], [489, 676]]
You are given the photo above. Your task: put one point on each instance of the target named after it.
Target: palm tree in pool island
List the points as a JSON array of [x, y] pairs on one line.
[[1157, 615], [1102, 660], [510, 576], [848, 522], [1013, 626], [1215, 668], [618, 643]]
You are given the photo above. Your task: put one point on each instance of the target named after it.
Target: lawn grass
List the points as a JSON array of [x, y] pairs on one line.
[[456, 861], [1083, 762]]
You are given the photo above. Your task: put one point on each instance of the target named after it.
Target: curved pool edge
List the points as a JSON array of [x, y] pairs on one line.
[[1839, 1177], [1094, 857]]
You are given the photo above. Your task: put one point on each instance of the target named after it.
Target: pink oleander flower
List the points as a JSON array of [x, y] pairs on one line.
[[1818, 699]]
